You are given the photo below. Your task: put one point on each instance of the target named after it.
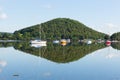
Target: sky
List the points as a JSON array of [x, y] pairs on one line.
[[101, 15]]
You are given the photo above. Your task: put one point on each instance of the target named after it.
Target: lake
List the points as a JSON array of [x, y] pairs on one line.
[[20, 61]]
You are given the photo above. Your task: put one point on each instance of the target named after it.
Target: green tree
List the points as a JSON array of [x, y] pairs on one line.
[[115, 36], [106, 37]]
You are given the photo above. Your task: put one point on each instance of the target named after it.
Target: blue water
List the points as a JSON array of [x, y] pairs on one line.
[[102, 64]]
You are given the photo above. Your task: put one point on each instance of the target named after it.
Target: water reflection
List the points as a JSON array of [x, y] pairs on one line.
[[56, 52], [2, 64], [116, 45], [25, 63], [7, 44]]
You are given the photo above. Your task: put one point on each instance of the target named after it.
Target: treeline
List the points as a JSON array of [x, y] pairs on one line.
[[115, 36], [58, 28], [6, 36]]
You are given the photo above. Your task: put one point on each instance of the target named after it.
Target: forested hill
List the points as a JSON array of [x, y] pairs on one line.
[[59, 28]]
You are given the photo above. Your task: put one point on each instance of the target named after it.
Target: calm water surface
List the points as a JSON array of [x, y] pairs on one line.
[[55, 62]]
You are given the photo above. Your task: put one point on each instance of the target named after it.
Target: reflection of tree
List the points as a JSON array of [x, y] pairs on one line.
[[60, 54], [25, 47], [116, 45], [6, 44]]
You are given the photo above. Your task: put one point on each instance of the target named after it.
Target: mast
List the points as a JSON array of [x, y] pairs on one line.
[[39, 31]]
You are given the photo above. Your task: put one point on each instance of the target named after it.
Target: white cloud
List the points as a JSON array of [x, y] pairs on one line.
[[0, 9], [2, 14], [108, 28], [112, 28], [110, 25], [47, 6]]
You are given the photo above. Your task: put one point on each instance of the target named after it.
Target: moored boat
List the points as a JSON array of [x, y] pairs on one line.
[[89, 42], [63, 42], [38, 45], [56, 41], [38, 41], [108, 42]]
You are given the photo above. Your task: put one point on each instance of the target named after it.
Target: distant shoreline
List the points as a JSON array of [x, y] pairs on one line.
[[10, 40]]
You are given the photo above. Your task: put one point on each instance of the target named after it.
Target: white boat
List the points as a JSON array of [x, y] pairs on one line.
[[56, 41], [36, 41], [63, 41], [68, 40], [89, 42], [38, 45]]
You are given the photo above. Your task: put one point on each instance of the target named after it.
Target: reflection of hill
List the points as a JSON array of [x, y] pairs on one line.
[[60, 54], [116, 45]]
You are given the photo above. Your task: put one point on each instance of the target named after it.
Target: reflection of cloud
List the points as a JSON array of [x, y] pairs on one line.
[[0, 70], [3, 63], [112, 55], [46, 74]]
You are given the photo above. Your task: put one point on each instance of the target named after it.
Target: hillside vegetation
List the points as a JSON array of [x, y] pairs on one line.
[[58, 28], [115, 36], [6, 36]]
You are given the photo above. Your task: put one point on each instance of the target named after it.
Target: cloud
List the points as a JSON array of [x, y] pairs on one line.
[[2, 14], [0, 9], [110, 25], [47, 6], [108, 28], [112, 28]]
